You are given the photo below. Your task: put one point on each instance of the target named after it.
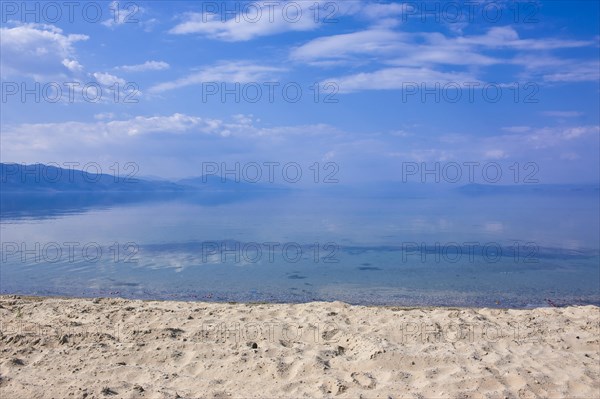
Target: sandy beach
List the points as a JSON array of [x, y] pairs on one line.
[[97, 348]]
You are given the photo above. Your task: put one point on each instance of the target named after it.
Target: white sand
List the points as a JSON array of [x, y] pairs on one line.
[[76, 348]]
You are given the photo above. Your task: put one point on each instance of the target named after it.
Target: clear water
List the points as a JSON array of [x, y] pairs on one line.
[[436, 249]]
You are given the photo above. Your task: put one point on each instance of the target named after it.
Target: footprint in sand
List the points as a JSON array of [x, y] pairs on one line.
[[364, 380]]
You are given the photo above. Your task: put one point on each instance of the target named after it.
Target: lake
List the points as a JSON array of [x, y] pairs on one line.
[[391, 248]]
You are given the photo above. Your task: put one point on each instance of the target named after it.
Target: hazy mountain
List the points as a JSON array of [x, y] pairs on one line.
[[41, 191], [40, 178], [48, 178], [530, 189], [212, 182]]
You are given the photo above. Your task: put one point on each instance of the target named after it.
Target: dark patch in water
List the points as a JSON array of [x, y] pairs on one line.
[[126, 284], [296, 277], [368, 268]]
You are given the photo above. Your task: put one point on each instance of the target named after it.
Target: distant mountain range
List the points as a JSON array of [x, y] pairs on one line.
[[529, 189], [41, 178], [41, 191]]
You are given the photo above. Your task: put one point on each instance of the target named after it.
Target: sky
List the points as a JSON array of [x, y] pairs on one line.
[[368, 89]]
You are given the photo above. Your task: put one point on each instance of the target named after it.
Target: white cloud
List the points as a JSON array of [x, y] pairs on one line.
[[176, 123], [107, 79], [579, 131], [577, 71], [238, 72], [425, 48], [146, 66], [551, 69], [106, 129], [38, 51], [544, 146], [385, 10], [255, 19], [181, 140], [35, 135], [546, 137], [170, 144], [425, 52], [247, 21], [375, 41], [73, 65], [507, 37], [398, 78], [435, 48]]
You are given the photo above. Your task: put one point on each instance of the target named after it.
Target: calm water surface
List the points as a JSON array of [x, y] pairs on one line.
[[501, 250]]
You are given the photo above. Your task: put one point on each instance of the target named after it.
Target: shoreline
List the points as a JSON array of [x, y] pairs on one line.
[[408, 302], [113, 347]]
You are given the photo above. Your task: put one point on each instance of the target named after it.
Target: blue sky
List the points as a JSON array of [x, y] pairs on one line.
[[370, 61]]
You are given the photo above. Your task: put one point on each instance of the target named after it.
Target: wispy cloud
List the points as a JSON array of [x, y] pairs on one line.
[[33, 137], [261, 18], [108, 130], [507, 37], [398, 78], [247, 21], [367, 42], [238, 72], [563, 114], [546, 137], [146, 66], [426, 47], [576, 71], [429, 54]]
